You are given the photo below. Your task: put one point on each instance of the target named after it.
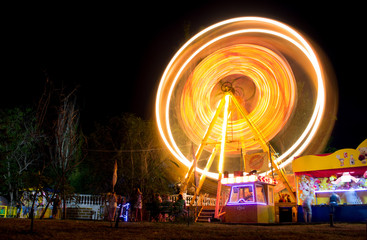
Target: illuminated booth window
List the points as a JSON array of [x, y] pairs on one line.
[[349, 184], [251, 198], [260, 194], [250, 189], [343, 172], [242, 194]]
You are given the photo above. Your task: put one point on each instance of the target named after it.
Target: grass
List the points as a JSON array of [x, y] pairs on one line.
[[74, 229]]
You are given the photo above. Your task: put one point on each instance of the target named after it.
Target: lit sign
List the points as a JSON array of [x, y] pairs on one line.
[[245, 179], [341, 190], [244, 203], [346, 177]]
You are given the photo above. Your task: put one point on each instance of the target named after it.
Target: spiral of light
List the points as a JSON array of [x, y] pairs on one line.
[[263, 82], [257, 56]]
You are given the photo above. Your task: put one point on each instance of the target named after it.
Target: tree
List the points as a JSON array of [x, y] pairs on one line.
[[141, 159], [19, 149], [66, 151]]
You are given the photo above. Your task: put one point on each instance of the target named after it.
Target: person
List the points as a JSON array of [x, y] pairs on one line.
[[120, 212], [106, 206], [165, 209], [25, 204], [119, 205], [139, 205], [56, 204], [248, 195], [125, 209], [19, 207], [155, 208], [333, 201], [180, 206], [112, 206], [306, 206]]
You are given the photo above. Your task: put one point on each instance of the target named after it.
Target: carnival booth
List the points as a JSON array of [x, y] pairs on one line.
[[251, 199], [344, 173]]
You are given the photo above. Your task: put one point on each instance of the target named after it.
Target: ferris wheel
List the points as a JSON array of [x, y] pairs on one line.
[[247, 93]]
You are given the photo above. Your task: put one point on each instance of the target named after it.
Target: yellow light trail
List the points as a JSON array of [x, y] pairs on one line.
[[224, 134], [242, 54], [275, 89]]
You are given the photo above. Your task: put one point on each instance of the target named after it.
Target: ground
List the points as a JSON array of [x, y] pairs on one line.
[[73, 229]]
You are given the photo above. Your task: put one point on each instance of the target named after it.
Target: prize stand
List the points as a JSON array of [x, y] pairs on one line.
[[251, 199], [344, 173]]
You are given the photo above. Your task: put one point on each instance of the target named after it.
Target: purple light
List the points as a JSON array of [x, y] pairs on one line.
[[344, 190], [245, 203], [125, 211], [238, 203]]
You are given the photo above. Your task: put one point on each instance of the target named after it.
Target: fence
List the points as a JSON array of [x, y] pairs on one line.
[[201, 200], [87, 206], [7, 211]]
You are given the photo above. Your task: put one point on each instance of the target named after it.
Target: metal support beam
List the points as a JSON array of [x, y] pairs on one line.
[[265, 146], [203, 143], [222, 151], [203, 176]]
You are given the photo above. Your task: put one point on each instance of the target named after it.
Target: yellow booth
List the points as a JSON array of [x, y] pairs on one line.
[[343, 172]]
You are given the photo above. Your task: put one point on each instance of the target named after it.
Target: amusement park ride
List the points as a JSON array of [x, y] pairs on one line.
[[242, 85]]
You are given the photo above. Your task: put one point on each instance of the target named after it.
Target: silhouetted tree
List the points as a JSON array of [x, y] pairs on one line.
[[19, 142], [66, 151], [141, 158]]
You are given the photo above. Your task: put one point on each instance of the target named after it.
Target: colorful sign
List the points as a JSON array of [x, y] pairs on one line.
[[257, 161], [245, 179], [343, 172], [344, 158]]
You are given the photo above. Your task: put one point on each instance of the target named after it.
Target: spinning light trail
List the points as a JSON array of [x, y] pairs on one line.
[[263, 81], [268, 65]]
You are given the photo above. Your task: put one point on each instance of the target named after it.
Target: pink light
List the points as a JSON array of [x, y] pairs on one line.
[[344, 190], [245, 203]]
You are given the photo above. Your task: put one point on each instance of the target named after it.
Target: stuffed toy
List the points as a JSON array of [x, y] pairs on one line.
[[362, 154]]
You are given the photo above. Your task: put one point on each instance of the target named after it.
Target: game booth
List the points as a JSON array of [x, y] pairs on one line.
[[251, 199], [344, 173]]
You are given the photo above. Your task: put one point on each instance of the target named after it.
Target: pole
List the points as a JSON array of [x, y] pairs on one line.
[[203, 142], [118, 216], [217, 202], [270, 161], [203, 175], [221, 157]]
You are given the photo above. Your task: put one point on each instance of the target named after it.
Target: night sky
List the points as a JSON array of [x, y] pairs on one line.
[[117, 53]]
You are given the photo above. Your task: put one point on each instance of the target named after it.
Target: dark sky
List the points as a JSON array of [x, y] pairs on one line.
[[117, 53]]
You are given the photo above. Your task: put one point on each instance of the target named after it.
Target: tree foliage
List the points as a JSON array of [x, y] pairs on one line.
[[135, 145], [20, 141], [46, 148], [66, 145]]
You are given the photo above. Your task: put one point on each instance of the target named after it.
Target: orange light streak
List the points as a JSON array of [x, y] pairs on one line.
[[273, 80], [242, 54], [224, 134]]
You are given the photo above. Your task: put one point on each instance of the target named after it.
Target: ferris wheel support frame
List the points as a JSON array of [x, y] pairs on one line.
[[266, 146], [201, 147]]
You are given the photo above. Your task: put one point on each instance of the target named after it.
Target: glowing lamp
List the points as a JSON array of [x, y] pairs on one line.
[[231, 180], [224, 180], [246, 179], [239, 179], [252, 178]]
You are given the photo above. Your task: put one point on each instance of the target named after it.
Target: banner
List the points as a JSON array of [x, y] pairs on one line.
[[258, 161], [196, 177], [114, 177]]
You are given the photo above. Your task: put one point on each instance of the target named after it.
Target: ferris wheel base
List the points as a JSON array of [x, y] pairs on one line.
[[249, 214]]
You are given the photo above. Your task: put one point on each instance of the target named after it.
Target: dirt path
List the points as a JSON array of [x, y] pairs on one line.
[[73, 229]]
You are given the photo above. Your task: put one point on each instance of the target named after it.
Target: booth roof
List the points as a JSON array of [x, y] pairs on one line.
[[344, 158], [356, 171]]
